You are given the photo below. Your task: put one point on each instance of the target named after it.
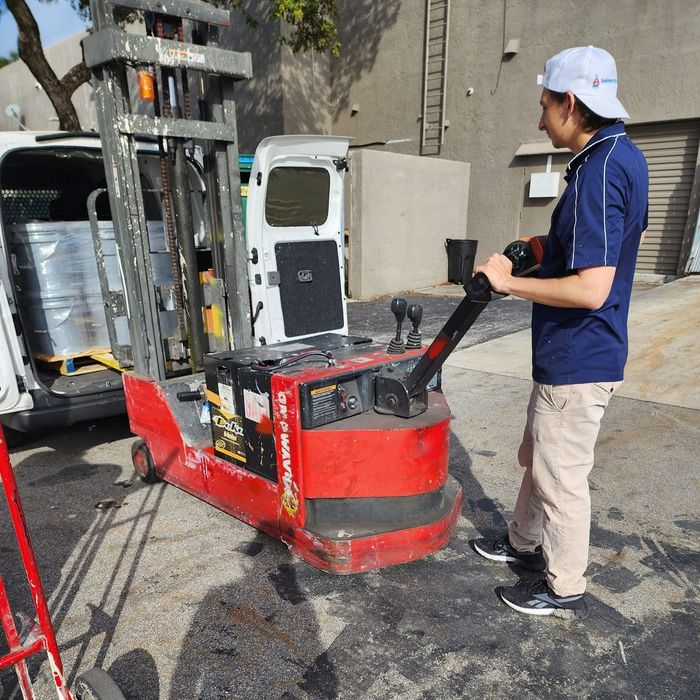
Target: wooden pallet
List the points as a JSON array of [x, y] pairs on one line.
[[84, 363]]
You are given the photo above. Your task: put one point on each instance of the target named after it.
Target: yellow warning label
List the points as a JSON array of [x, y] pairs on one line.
[[323, 389]]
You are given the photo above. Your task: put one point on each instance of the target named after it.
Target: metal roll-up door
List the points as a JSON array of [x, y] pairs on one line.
[[671, 149]]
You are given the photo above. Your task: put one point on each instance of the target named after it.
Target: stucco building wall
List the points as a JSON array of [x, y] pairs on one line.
[[402, 208], [288, 93], [655, 46]]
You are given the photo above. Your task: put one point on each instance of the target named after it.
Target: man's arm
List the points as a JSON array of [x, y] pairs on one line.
[[587, 288]]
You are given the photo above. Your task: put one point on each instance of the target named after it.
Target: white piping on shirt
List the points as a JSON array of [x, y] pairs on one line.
[[605, 227], [573, 245], [605, 218], [595, 143]]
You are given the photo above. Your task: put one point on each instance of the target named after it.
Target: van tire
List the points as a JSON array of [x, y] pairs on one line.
[[143, 463]]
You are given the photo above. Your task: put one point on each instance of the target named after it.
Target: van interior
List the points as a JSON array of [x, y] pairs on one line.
[[51, 261]]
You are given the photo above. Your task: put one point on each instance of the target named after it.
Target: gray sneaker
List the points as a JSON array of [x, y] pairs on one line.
[[502, 550], [535, 597]]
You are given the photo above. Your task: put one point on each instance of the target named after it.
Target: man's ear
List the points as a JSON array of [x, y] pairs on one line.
[[570, 104]]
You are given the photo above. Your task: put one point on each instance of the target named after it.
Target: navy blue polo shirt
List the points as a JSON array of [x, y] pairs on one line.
[[598, 222]]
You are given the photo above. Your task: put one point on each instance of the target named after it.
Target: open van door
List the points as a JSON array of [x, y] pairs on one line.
[[294, 237], [13, 393]]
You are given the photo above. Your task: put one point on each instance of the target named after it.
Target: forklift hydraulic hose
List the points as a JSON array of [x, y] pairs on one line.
[[328, 356]]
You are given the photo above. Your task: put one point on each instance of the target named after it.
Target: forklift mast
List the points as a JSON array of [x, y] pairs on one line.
[[178, 56]]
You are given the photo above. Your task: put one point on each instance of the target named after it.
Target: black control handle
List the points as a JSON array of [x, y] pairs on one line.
[[398, 308], [526, 257], [415, 315]]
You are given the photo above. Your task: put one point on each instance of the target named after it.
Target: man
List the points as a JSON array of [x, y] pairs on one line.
[[579, 329]]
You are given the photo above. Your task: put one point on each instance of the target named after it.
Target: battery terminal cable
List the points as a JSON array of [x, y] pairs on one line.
[[328, 356]]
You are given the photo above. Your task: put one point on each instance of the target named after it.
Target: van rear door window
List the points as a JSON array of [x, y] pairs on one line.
[[297, 196]]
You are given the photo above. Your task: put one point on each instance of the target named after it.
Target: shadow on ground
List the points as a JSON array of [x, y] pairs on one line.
[[70, 504]]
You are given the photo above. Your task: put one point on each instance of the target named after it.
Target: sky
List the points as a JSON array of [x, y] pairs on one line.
[[56, 21]]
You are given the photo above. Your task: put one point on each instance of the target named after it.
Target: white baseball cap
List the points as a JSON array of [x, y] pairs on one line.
[[590, 73]]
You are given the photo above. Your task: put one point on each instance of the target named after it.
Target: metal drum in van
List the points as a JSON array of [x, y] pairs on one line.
[[53, 258], [65, 325], [60, 286]]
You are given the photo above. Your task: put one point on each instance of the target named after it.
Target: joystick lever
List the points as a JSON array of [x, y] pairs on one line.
[[414, 340], [398, 308]]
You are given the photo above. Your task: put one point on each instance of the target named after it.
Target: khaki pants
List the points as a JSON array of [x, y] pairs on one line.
[[554, 504]]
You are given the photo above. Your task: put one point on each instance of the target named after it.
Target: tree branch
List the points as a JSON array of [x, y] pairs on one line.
[[31, 52], [75, 77]]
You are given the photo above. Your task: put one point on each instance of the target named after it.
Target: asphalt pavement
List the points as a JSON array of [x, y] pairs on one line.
[[179, 601]]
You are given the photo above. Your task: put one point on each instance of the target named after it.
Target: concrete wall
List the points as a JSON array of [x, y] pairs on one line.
[[402, 208], [19, 86], [655, 44], [259, 101], [288, 93]]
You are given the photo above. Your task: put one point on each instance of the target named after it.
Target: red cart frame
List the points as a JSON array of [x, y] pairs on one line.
[[95, 683], [43, 637]]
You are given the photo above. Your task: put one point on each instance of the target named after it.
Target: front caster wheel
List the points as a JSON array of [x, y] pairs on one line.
[[97, 684], [143, 462]]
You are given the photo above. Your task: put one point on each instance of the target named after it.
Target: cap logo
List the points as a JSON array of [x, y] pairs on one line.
[[596, 83]]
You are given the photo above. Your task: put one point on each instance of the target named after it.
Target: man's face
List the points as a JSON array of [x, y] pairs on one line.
[[554, 119]]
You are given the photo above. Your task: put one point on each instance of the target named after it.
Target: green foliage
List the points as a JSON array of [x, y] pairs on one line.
[[6, 60], [82, 7], [312, 22]]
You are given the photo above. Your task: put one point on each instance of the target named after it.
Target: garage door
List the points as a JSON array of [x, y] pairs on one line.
[[671, 149]]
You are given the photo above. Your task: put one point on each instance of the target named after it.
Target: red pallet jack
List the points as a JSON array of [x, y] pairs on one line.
[[94, 684], [334, 445]]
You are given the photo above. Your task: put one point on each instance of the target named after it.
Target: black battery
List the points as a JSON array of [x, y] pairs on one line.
[[239, 390], [241, 411]]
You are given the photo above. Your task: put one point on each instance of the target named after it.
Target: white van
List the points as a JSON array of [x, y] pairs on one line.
[[52, 323]]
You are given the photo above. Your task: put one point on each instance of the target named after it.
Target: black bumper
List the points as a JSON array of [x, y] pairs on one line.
[[52, 411]]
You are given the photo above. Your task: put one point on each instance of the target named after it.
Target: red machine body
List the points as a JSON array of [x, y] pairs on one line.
[[345, 462], [355, 493]]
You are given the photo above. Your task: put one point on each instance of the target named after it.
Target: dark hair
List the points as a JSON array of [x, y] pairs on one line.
[[590, 121]]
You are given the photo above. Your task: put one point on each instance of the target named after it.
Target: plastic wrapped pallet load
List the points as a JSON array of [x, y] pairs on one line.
[[59, 284]]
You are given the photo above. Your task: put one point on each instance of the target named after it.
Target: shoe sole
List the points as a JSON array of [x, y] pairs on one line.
[[507, 558], [563, 613], [494, 557]]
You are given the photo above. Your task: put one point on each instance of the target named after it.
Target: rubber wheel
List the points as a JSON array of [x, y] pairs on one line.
[[97, 684], [143, 462]]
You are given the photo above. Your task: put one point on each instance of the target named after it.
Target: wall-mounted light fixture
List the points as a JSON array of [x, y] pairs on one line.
[[512, 48]]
